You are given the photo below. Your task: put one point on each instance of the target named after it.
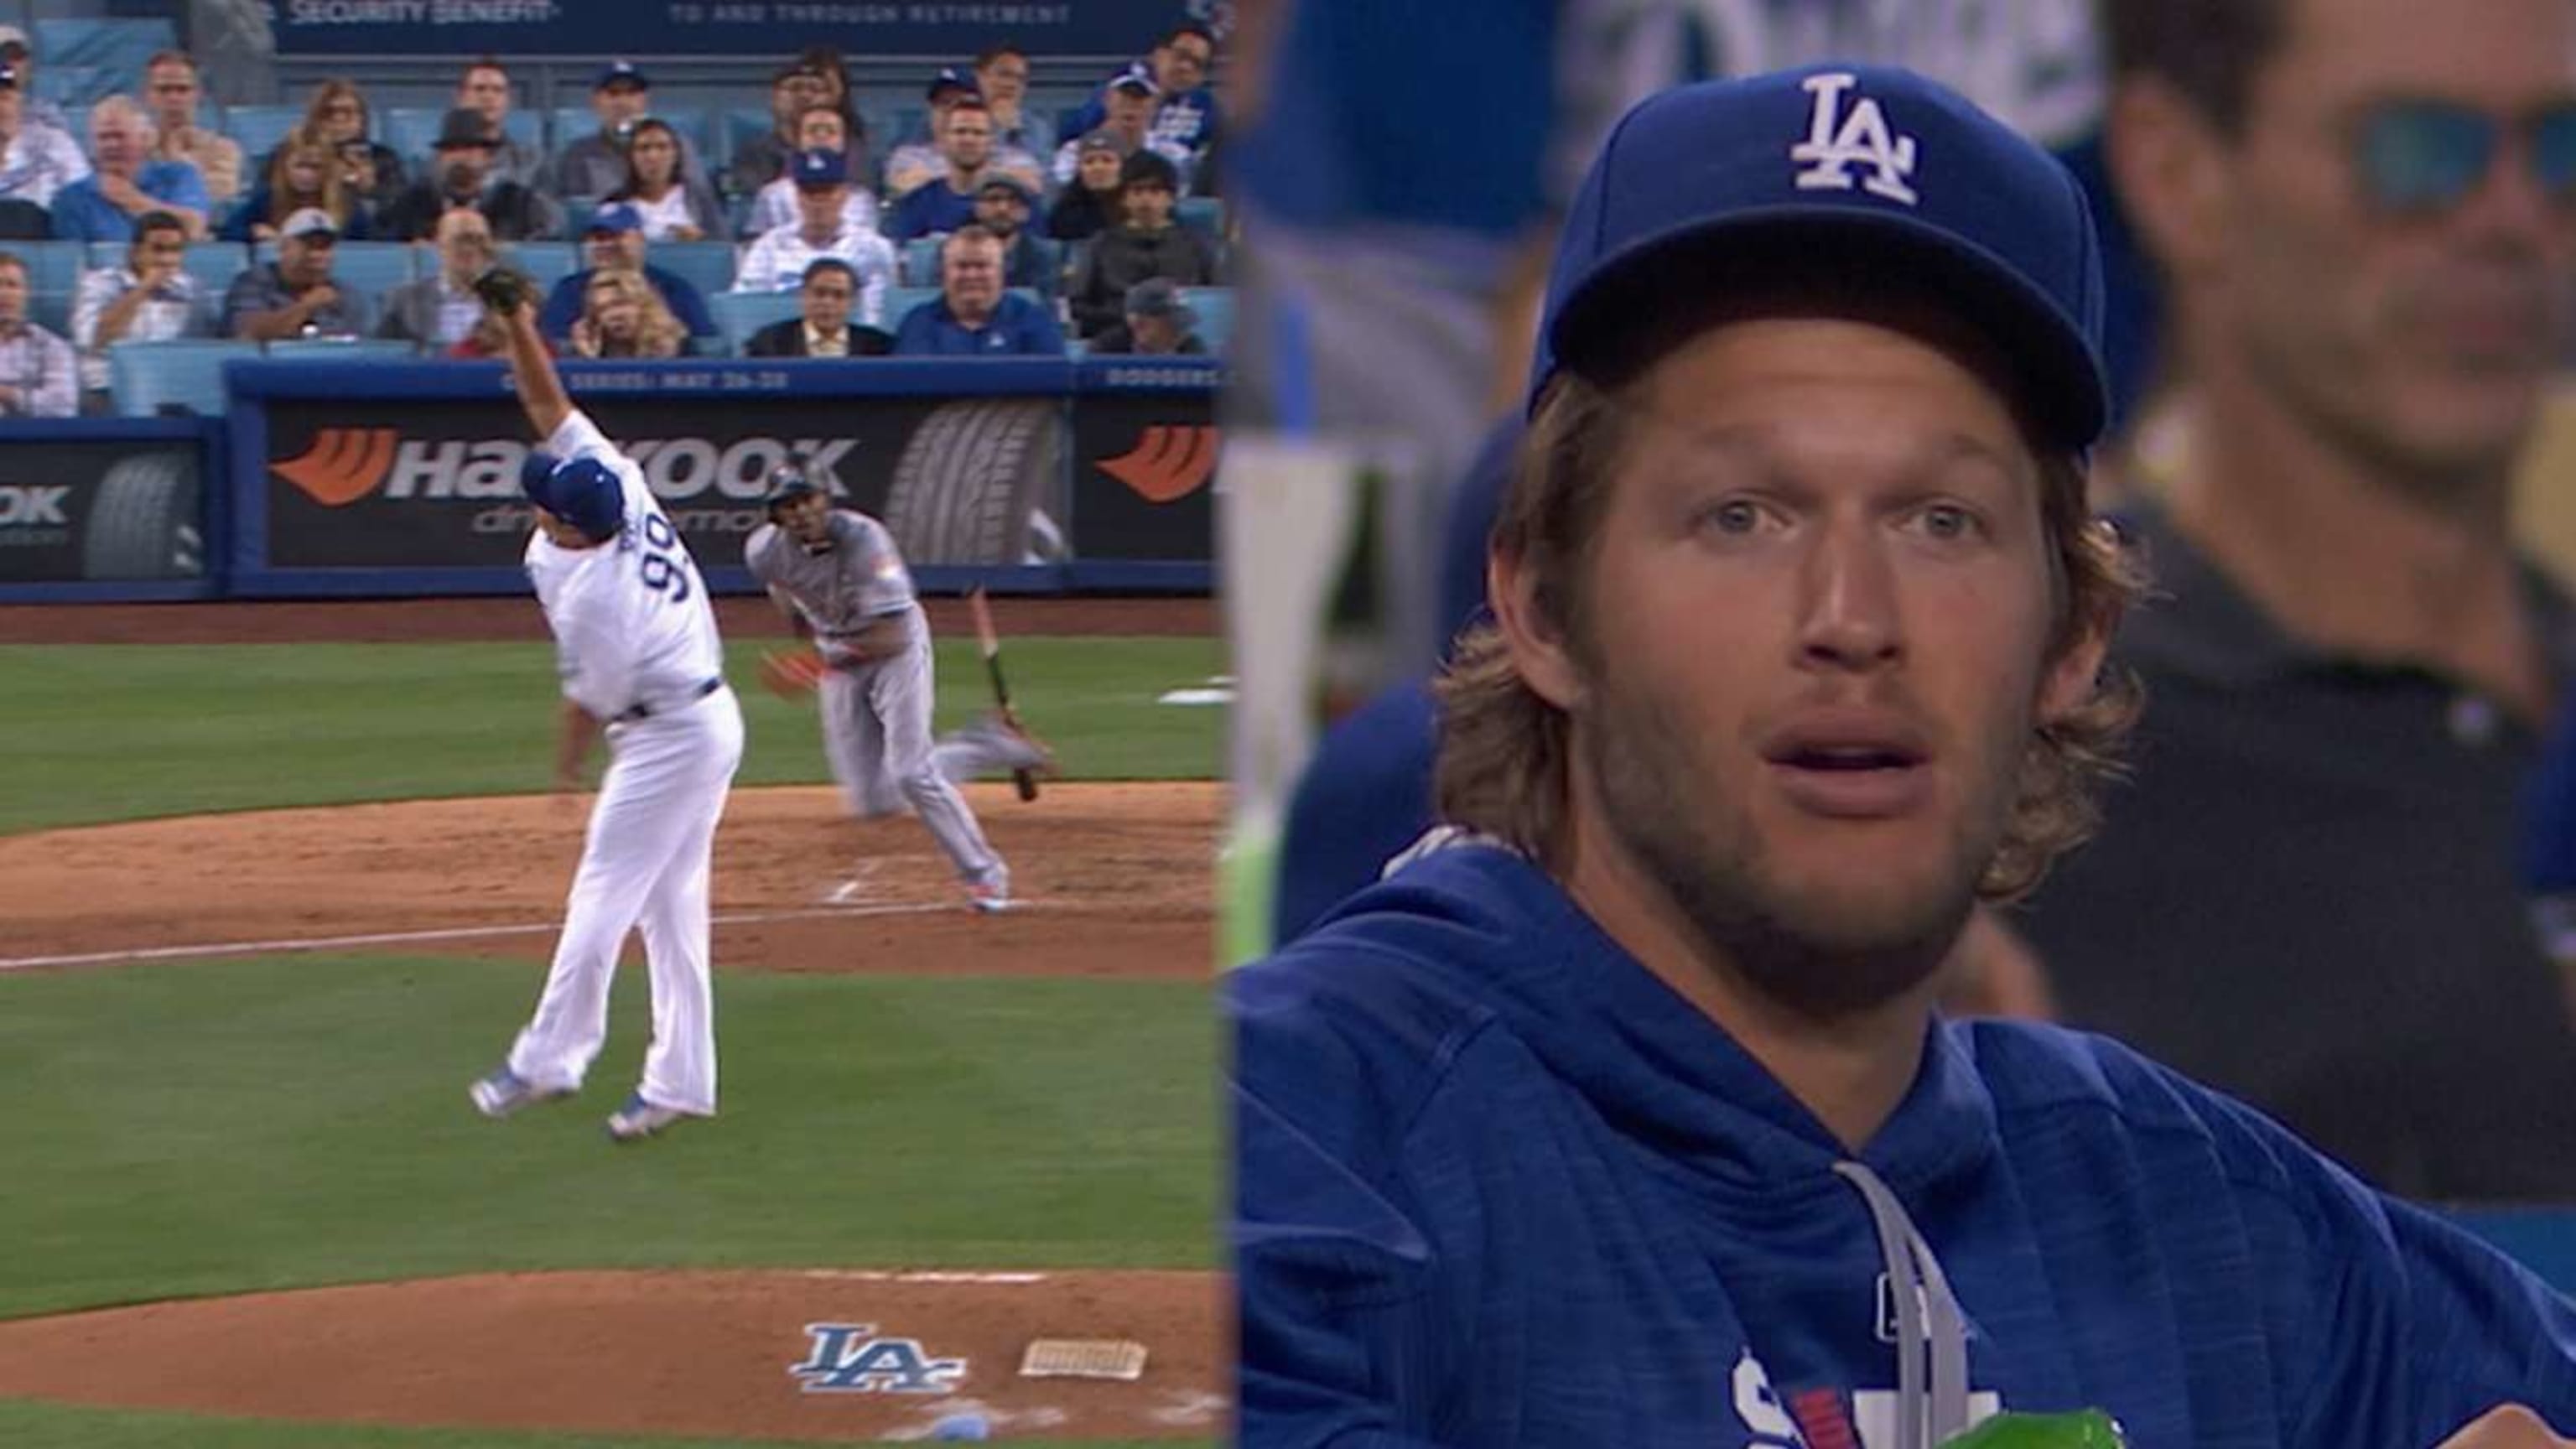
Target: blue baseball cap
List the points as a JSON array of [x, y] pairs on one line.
[[1886, 173], [1136, 78], [582, 492], [952, 78], [621, 73], [620, 217], [819, 168]]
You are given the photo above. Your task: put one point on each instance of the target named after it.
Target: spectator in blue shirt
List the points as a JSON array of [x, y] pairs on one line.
[[975, 316], [1185, 113], [615, 240], [948, 202], [103, 205]]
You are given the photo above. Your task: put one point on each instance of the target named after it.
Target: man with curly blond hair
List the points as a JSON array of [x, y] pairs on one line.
[[1621, 1112]]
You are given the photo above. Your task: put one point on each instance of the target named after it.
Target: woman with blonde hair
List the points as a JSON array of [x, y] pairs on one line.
[[622, 316], [337, 117], [303, 171]]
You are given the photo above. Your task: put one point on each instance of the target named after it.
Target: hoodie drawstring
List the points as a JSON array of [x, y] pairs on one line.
[[1927, 1315]]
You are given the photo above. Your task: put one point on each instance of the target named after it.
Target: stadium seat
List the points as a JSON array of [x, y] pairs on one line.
[[567, 124], [921, 261], [372, 268], [213, 264], [1202, 214], [901, 300], [707, 265], [24, 220], [148, 379], [548, 262], [259, 129], [740, 314], [1215, 309], [740, 125], [53, 281], [577, 215]]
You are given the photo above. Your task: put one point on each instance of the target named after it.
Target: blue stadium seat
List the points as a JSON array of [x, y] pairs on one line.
[[53, 279], [147, 377], [921, 261], [369, 267], [567, 124], [577, 215], [548, 262], [1215, 309], [259, 129], [213, 264], [87, 59], [901, 300], [740, 125], [707, 265], [1202, 214], [740, 314]]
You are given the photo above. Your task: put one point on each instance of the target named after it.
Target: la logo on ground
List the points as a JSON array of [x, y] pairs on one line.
[[848, 1358], [1838, 140]]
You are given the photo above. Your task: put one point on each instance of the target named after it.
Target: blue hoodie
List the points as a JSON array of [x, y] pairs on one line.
[[1498, 1185]]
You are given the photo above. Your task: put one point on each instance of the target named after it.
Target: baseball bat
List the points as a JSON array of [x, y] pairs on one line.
[[992, 644]]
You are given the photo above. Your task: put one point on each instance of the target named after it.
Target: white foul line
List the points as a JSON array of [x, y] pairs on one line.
[[396, 938]]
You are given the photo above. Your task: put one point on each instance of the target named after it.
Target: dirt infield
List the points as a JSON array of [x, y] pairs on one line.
[[395, 620], [1116, 880], [799, 887], [884, 1355]]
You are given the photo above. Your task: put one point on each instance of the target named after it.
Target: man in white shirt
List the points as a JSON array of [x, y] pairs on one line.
[[778, 260], [36, 369], [149, 299], [821, 128], [638, 653], [36, 159]]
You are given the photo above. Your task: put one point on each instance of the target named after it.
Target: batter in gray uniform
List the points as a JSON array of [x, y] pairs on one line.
[[836, 574]]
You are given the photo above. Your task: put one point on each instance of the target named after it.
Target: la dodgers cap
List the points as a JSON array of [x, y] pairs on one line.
[[581, 492], [621, 73], [1875, 167], [614, 219], [818, 167]]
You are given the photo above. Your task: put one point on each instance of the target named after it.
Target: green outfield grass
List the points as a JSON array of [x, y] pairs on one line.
[[229, 1127], [115, 732], [25, 1424]]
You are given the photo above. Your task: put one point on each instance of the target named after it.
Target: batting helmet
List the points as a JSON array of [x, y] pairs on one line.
[[786, 481]]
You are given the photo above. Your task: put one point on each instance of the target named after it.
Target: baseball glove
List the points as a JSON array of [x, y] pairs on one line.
[[791, 674], [501, 289]]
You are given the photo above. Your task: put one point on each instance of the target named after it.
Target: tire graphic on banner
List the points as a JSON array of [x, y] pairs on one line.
[[144, 522], [971, 478]]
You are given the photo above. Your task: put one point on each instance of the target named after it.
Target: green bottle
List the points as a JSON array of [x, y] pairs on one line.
[[2089, 1429]]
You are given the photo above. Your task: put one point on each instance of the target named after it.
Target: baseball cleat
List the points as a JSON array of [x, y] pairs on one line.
[[640, 1119], [504, 1092], [992, 897]]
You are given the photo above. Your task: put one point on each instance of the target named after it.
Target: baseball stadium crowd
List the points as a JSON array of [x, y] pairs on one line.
[[984, 225]]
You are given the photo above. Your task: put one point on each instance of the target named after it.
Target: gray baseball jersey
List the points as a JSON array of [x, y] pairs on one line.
[[876, 711]]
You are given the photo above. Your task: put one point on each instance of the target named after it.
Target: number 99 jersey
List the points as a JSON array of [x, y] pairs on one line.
[[634, 632]]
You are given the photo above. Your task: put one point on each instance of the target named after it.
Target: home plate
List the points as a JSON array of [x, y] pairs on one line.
[[1083, 1358]]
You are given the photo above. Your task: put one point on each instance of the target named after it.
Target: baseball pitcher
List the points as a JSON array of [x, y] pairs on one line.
[[636, 646], [837, 576]]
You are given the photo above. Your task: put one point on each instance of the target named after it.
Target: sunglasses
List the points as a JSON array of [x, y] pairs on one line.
[[2419, 158]]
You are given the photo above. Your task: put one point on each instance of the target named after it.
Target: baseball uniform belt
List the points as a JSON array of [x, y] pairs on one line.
[[703, 688]]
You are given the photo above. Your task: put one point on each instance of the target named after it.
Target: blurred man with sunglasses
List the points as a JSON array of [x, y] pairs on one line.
[[2365, 212]]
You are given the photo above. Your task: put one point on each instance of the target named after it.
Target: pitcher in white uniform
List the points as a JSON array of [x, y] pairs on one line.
[[637, 649], [838, 577]]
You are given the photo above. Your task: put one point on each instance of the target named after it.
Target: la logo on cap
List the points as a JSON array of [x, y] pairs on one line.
[[1859, 137]]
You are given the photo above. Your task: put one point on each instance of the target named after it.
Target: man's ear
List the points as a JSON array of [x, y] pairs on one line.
[[2075, 672], [1536, 640], [2169, 164]]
